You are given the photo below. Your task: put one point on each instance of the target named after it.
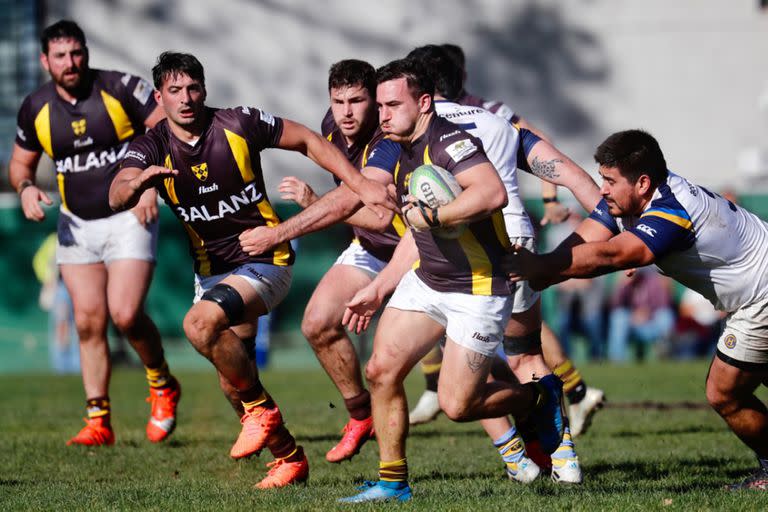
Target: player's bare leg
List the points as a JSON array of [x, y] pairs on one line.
[[208, 328], [332, 346], [127, 285], [427, 408], [731, 393]]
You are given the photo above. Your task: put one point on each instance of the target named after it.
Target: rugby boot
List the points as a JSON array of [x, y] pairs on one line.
[[356, 433], [96, 432], [162, 419], [565, 463], [548, 415], [259, 423], [426, 410], [580, 414], [283, 473], [380, 491], [524, 471]]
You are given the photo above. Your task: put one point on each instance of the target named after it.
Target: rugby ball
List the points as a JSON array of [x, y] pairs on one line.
[[436, 187]]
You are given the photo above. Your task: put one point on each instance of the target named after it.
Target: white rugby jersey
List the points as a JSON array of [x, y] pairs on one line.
[[701, 240], [501, 142]]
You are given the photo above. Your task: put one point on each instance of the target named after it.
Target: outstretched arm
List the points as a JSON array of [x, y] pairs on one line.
[[297, 137], [131, 182], [22, 170]]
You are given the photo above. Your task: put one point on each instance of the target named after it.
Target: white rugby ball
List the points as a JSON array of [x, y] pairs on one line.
[[436, 187]]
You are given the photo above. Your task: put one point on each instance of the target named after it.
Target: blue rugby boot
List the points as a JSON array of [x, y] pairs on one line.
[[548, 415], [380, 491]]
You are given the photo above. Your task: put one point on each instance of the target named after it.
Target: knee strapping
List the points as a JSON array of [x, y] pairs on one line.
[[517, 345], [229, 300]]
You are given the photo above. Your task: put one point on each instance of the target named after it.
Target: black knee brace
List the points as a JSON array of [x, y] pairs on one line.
[[229, 300], [515, 346]]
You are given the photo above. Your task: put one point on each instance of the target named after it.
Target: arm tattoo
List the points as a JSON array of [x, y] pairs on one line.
[[545, 169], [476, 361]]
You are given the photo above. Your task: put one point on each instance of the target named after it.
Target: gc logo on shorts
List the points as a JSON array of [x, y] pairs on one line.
[[730, 341]]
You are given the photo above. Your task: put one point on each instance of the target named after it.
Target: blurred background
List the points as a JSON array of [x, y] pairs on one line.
[[687, 71]]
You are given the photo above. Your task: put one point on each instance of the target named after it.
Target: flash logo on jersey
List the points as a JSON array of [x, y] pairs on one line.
[[78, 127], [200, 171]]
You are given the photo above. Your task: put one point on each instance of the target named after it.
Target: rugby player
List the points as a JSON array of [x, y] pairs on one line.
[[353, 127], [84, 119], [456, 290], [583, 400], [650, 215], [205, 164]]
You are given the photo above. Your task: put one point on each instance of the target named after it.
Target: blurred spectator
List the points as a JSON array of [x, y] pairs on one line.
[[64, 346], [697, 328], [641, 311]]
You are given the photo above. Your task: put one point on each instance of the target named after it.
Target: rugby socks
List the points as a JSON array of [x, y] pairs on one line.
[[359, 406], [566, 449], [255, 396], [395, 473], [99, 408], [510, 447], [283, 446], [574, 386], [430, 367], [159, 377]]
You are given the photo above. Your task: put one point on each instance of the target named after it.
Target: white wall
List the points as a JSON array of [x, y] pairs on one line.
[[689, 71]]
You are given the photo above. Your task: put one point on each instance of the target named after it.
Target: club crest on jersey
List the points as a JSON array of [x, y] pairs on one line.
[[200, 171], [730, 341], [78, 127]]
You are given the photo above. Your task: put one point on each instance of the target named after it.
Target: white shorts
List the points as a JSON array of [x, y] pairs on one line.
[[745, 337], [356, 256], [118, 237], [271, 282], [524, 297], [475, 322]]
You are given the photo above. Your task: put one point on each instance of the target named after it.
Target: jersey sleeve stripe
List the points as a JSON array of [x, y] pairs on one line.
[[427, 160], [43, 129], [676, 219], [282, 253], [170, 183], [121, 121], [239, 148]]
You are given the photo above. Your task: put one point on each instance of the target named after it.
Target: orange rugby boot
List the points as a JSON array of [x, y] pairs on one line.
[[356, 433], [259, 423], [284, 473], [162, 420], [96, 432]]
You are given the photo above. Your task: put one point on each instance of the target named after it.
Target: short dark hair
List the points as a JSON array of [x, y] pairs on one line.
[[174, 63], [62, 29], [350, 72], [418, 80], [446, 74], [634, 153], [456, 53]]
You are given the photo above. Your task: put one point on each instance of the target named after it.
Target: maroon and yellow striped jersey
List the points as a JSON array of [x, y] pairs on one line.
[[471, 263], [219, 191], [88, 138]]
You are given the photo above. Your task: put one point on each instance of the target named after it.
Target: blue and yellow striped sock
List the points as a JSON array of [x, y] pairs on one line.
[[510, 446], [566, 450]]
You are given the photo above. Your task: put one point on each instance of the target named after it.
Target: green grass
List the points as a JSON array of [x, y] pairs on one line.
[[633, 458]]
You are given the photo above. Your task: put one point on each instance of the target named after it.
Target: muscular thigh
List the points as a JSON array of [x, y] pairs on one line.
[[524, 322], [127, 283], [729, 380], [334, 290], [402, 339], [86, 285], [464, 371]]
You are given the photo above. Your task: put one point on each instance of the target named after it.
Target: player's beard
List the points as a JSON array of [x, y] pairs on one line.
[[73, 82]]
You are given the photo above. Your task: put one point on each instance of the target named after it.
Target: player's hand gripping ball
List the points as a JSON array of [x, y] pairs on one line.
[[432, 186]]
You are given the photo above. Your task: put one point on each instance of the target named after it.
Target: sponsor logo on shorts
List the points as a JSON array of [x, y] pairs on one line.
[[730, 341], [480, 337], [255, 273]]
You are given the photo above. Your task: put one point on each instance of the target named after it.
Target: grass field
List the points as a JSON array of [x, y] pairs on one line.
[[637, 456]]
